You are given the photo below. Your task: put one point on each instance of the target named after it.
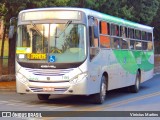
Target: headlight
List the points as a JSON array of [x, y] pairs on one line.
[[78, 78], [22, 78]]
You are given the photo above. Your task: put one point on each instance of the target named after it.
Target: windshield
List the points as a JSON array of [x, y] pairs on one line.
[[54, 43]]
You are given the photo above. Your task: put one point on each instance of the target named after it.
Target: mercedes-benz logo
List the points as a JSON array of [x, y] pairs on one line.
[[48, 78]]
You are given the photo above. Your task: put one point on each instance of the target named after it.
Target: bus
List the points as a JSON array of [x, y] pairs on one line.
[[78, 51]]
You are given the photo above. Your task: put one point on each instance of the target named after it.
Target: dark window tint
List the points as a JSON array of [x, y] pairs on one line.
[[114, 30], [131, 33], [123, 32]]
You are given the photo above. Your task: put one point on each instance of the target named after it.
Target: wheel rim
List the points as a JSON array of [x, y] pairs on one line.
[[103, 91], [137, 83]]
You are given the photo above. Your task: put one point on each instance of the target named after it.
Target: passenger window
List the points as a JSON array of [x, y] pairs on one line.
[[115, 43], [144, 45], [114, 30], [124, 44], [132, 44], [93, 34], [131, 33], [104, 41], [124, 32], [137, 34], [150, 46], [144, 35], [104, 28], [138, 45], [149, 36]]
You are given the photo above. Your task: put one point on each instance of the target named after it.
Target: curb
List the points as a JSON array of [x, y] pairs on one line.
[[7, 90], [8, 86]]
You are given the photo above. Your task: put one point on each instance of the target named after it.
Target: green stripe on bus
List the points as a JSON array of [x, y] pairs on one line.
[[132, 60]]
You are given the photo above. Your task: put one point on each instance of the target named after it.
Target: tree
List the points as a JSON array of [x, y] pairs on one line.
[[156, 24], [141, 11], [144, 10], [3, 12], [11, 8]]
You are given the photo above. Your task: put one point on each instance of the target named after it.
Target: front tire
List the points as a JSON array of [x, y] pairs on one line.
[[43, 96], [99, 98]]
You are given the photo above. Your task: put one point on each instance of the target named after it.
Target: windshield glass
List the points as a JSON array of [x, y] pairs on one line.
[[57, 43]]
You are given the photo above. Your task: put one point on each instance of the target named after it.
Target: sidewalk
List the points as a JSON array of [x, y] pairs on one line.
[[9, 86], [7, 83]]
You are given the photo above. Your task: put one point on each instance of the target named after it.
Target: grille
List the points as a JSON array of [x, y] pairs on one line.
[[49, 72]]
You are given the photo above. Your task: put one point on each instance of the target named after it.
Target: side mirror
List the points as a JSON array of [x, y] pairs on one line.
[[11, 28], [11, 32]]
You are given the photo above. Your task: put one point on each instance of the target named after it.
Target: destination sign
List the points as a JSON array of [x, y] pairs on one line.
[[36, 56], [43, 15]]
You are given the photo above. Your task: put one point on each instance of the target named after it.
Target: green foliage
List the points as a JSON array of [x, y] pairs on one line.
[[119, 9], [145, 11], [141, 11], [3, 9]]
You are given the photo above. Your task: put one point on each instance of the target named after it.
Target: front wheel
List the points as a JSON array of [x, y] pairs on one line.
[[43, 96], [99, 98]]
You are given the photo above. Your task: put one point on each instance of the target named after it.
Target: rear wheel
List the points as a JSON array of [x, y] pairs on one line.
[[99, 98], [43, 96], [135, 88]]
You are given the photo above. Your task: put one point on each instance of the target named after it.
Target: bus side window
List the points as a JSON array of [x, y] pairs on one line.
[[104, 31], [104, 27], [114, 30], [149, 36], [138, 45], [144, 35], [93, 33], [131, 33], [149, 46], [132, 45], [96, 35], [123, 31], [137, 34], [93, 36], [144, 45], [124, 44]]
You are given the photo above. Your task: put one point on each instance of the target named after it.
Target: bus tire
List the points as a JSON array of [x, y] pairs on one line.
[[99, 98], [135, 88], [43, 96]]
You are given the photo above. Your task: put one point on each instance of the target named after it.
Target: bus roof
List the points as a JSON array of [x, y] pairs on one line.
[[102, 16]]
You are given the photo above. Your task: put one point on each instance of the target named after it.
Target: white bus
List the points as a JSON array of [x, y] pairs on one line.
[[78, 51]]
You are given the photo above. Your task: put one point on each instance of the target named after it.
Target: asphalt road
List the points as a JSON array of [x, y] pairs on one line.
[[148, 99]]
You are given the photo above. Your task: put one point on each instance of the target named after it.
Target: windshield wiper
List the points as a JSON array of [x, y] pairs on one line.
[[37, 30], [67, 24]]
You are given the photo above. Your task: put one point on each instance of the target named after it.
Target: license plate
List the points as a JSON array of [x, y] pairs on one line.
[[48, 89]]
